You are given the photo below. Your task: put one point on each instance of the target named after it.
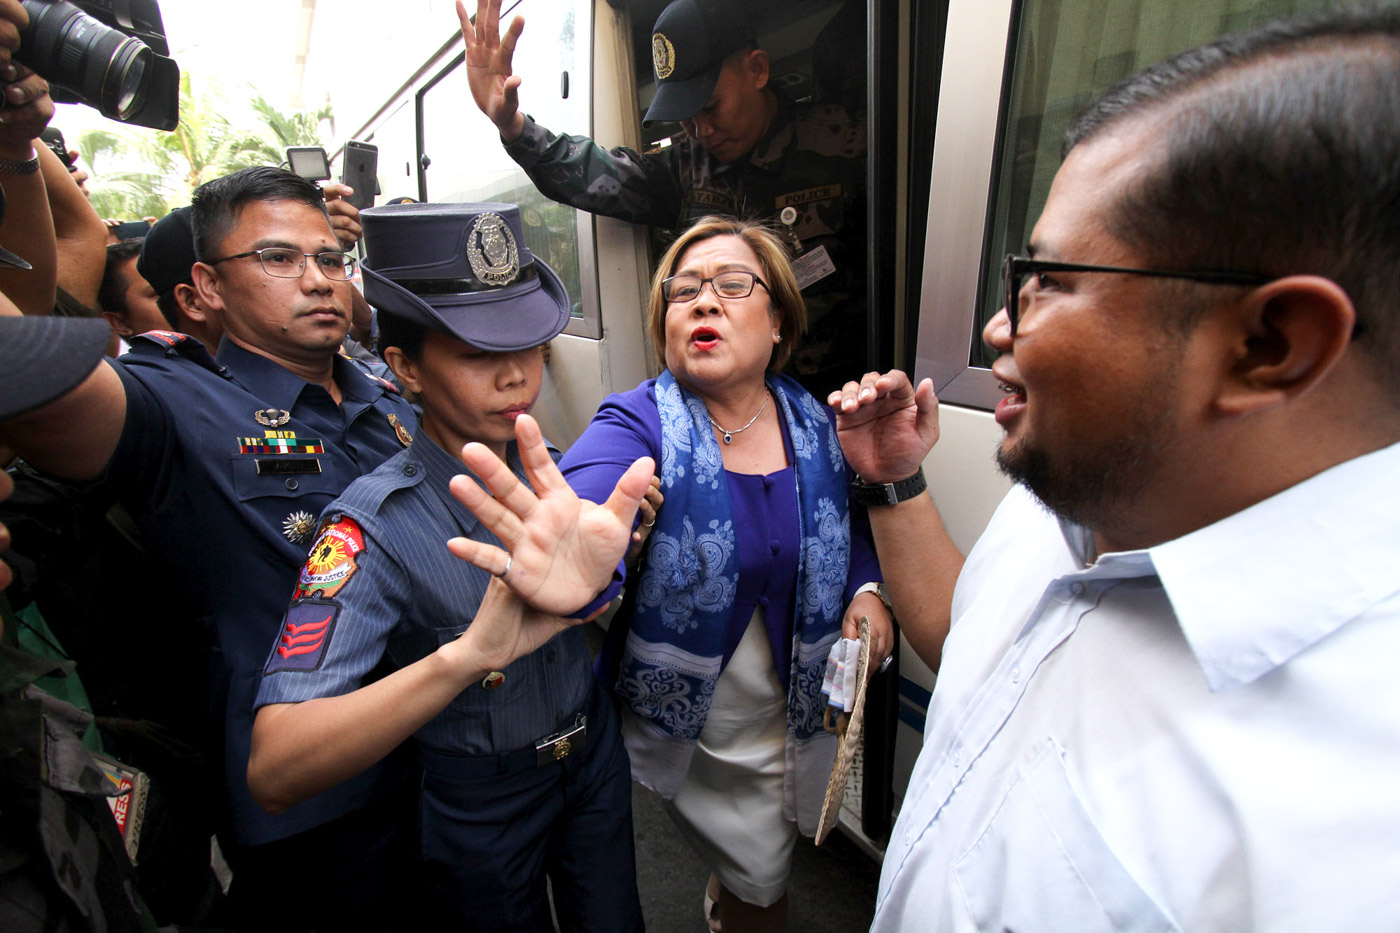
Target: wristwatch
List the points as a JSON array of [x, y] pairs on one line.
[[20, 166], [869, 494]]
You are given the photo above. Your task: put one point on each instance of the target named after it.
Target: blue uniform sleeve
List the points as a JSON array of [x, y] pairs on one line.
[[350, 595], [143, 458]]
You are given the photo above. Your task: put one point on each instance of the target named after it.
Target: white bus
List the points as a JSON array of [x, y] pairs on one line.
[[965, 103]]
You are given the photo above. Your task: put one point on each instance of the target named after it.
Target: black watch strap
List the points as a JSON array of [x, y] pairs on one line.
[[889, 493]]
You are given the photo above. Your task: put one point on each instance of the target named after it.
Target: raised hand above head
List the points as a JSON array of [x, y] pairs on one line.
[[886, 426], [489, 73], [559, 551]]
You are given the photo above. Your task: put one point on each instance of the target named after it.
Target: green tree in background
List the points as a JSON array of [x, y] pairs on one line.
[[145, 173]]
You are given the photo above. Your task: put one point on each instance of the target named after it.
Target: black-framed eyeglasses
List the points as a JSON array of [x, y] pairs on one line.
[[733, 284], [283, 263], [1014, 270]]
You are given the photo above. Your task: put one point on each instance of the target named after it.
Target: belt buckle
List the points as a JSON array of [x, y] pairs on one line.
[[558, 746]]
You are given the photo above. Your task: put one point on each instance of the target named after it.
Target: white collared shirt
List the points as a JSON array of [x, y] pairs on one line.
[[1204, 735]]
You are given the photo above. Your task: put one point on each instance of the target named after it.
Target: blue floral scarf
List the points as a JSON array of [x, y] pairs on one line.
[[685, 595]]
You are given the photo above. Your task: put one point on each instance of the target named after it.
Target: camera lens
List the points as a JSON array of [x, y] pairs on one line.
[[130, 69], [101, 65]]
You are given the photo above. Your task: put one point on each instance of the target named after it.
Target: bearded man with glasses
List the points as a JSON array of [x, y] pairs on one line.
[[224, 461]]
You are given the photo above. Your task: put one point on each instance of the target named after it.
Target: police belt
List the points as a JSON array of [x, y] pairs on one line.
[[568, 743]]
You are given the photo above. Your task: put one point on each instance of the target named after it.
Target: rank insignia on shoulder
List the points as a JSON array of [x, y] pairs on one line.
[[272, 417], [168, 337], [298, 527], [386, 385], [332, 560], [400, 431], [306, 633]]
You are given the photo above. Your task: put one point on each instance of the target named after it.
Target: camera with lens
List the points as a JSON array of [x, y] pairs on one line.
[[108, 54]]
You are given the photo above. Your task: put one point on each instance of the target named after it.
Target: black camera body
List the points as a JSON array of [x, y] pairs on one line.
[[108, 54]]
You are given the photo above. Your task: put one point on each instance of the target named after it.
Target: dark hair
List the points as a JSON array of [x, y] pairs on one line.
[[216, 204], [772, 253], [169, 309], [1280, 154], [397, 331], [111, 294]]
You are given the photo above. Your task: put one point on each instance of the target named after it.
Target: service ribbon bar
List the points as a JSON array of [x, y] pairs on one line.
[[280, 442]]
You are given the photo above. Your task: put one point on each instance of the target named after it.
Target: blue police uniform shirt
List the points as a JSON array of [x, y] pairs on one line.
[[380, 582], [224, 463]]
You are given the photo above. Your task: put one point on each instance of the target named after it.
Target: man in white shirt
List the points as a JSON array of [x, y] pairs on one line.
[[1168, 695]]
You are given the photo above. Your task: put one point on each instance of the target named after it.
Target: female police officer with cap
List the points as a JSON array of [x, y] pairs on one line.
[[525, 776]]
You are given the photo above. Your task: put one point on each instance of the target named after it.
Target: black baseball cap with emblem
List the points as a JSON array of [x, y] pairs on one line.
[[42, 357], [463, 270], [689, 44], [167, 253]]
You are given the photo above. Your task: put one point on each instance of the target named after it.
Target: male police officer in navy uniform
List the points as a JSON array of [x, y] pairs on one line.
[[225, 461], [525, 775]]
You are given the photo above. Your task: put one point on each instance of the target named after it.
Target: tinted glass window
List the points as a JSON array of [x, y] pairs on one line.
[[1065, 54]]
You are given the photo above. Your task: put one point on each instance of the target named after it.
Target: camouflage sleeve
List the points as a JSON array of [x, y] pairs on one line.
[[574, 170]]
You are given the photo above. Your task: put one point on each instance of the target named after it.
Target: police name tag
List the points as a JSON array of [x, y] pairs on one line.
[[812, 266], [284, 466]]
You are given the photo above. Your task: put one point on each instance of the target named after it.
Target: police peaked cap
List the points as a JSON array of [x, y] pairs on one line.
[[462, 270]]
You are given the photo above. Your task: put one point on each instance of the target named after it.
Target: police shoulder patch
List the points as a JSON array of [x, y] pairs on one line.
[[332, 560], [170, 343], [306, 636], [168, 337]]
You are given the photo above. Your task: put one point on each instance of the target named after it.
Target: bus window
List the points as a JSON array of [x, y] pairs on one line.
[[463, 156], [398, 156], [1066, 54], [1062, 55]]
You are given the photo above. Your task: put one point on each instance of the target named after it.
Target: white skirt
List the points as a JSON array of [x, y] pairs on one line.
[[730, 805]]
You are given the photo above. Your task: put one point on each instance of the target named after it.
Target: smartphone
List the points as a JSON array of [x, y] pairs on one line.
[[53, 138], [360, 170], [131, 230]]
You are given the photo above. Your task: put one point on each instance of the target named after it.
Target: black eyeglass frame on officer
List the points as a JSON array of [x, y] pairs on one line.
[[1015, 269], [342, 271]]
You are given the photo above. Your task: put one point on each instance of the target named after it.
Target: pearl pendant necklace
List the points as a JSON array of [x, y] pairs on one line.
[[729, 435]]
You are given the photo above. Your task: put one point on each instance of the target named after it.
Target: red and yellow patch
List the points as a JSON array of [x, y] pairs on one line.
[[331, 562]]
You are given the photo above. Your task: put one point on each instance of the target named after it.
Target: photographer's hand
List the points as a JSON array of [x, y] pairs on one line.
[[489, 73], [13, 18], [28, 228], [345, 217], [27, 110]]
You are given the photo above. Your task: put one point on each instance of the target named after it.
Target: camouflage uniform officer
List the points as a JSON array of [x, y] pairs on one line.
[[745, 151]]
